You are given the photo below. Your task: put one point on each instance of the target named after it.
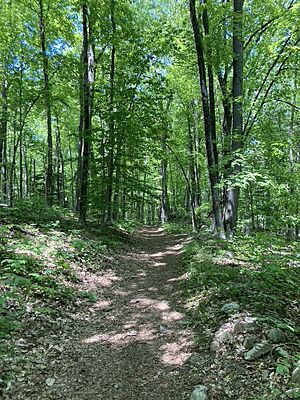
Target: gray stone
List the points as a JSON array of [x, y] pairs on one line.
[[258, 350], [276, 335], [247, 325], [230, 308], [280, 352], [163, 329], [296, 376], [249, 342], [214, 347], [220, 338], [225, 337], [199, 393], [229, 254]]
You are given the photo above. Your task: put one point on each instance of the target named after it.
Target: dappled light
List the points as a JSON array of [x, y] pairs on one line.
[[104, 280], [143, 304], [102, 305], [122, 338], [176, 353]]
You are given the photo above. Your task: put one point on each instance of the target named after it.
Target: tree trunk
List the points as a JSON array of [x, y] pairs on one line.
[[192, 173], [232, 194], [3, 141], [112, 138], [60, 168], [212, 112], [34, 178], [49, 173], [12, 172], [85, 123], [21, 168], [196, 154], [26, 169], [212, 166], [21, 133], [164, 191], [142, 216], [116, 201], [290, 204]]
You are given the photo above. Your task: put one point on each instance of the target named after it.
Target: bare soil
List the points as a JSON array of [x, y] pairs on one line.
[[133, 343]]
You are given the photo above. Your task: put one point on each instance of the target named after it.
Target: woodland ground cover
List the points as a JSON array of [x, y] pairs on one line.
[[261, 273], [43, 255], [47, 261]]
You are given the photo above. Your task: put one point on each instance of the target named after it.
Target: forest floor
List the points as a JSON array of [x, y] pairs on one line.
[[131, 343], [86, 315]]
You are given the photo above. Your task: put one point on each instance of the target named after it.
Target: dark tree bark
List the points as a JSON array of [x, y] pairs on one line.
[[21, 133], [85, 122], [208, 129], [193, 195], [196, 144], [292, 156], [230, 213], [60, 167], [142, 214], [49, 173], [163, 214], [210, 75], [34, 178], [116, 201], [112, 138], [73, 178], [3, 141], [21, 168]]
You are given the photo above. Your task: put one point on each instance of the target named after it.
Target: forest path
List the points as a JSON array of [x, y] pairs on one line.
[[132, 343]]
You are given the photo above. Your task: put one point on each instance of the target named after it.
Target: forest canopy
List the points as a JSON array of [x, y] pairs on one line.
[[175, 110]]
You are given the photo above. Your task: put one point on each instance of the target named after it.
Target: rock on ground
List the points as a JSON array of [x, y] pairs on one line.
[[199, 393], [276, 335], [249, 324], [296, 376], [249, 342], [258, 350]]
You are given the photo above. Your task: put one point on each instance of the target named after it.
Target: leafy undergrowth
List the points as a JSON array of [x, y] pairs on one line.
[[262, 274], [177, 228], [44, 256]]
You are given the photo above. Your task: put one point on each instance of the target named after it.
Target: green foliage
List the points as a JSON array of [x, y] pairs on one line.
[[33, 211], [128, 226], [177, 228], [40, 263], [263, 276]]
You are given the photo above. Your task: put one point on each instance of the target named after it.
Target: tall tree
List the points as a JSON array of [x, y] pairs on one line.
[[111, 124], [86, 105], [208, 117], [47, 97], [3, 140], [233, 193]]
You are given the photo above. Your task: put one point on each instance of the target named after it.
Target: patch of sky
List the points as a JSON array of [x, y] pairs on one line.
[[31, 30], [75, 20], [58, 47]]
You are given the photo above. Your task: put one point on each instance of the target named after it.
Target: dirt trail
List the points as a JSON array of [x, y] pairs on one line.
[[132, 343]]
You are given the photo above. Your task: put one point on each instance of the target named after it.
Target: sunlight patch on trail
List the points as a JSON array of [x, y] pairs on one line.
[[176, 353]]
